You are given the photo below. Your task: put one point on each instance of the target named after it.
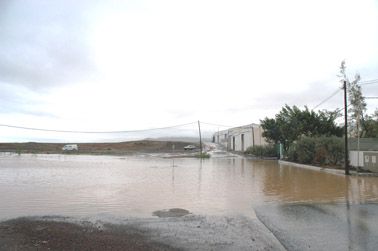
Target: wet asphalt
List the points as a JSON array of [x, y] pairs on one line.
[[322, 226]]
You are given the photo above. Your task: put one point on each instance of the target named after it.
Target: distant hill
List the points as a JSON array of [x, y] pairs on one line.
[[120, 148], [180, 139]]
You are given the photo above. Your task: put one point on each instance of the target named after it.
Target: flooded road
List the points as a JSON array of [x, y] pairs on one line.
[[136, 186]]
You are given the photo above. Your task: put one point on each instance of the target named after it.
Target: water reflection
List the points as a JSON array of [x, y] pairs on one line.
[[136, 186]]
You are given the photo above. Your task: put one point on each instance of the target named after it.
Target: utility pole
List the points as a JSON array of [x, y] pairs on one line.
[[199, 129], [346, 129], [358, 142]]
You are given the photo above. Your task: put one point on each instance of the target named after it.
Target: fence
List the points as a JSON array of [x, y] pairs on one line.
[[366, 144]]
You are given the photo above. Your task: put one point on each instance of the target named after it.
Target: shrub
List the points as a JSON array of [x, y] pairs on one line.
[[18, 150], [320, 155], [306, 150], [335, 149], [317, 150], [292, 153], [203, 155], [262, 151]]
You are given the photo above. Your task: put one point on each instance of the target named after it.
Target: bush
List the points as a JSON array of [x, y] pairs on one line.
[[18, 150], [320, 155], [292, 153], [203, 155], [262, 151], [334, 148], [317, 150], [306, 150]]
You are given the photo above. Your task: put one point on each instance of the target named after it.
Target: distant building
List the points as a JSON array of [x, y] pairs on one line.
[[240, 138]]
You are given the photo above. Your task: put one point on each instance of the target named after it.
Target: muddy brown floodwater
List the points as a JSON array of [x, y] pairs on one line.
[[137, 186]]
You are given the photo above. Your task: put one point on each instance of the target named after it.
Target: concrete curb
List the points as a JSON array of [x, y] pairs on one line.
[[316, 168], [327, 170]]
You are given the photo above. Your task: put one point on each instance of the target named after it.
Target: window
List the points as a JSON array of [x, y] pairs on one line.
[[366, 159]]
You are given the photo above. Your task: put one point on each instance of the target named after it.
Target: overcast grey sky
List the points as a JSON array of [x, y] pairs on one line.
[[124, 65]]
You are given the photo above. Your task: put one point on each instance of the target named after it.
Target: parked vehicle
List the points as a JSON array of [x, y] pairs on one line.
[[72, 147], [190, 147]]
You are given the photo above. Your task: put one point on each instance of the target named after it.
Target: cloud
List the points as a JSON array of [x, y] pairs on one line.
[[42, 43], [19, 100], [116, 65]]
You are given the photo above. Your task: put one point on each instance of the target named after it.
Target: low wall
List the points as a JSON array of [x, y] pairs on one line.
[[354, 158], [367, 160]]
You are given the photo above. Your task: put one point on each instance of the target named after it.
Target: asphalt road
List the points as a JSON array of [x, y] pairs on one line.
[[322, 226]]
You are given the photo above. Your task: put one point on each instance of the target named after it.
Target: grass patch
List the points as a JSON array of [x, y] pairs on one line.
[[203, 155]]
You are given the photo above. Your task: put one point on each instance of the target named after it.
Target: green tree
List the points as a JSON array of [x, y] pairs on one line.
[[356, 101], [370, 125], [291, 123]]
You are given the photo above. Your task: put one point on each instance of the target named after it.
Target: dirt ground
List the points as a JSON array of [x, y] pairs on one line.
[[167, 232], [29, 234], [121, 148]]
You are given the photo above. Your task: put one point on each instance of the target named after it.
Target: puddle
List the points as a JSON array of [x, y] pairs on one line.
[[173, 212]]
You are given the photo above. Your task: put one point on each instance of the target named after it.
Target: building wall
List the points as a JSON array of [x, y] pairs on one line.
[[259, 139], [371, 161], [354, 158], [368, 160], [252, 135]]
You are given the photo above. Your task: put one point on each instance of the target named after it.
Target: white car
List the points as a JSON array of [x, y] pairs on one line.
[[190, 147], [72, 147]]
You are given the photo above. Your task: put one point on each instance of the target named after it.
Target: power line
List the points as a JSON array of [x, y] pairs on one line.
[[339, 109], [326, 99], [373, 83], [216, 124], [369, 82], [89, 132]]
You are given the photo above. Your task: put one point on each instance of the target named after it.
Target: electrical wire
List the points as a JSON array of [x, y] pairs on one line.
[[93, 132], [212, 124], [326, 99], [369, 82], [339, 109]]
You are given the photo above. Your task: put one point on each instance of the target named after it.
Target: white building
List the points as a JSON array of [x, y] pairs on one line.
[[240, 138], [364, 154]]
